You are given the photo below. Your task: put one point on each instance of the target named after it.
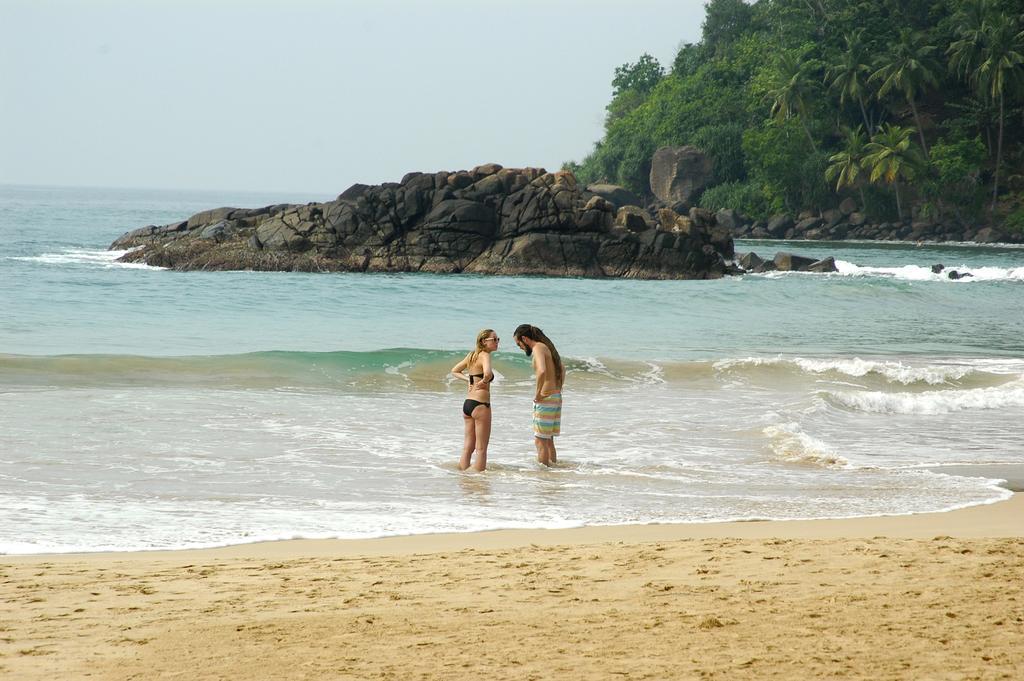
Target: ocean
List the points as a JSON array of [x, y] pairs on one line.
[[143, 408]]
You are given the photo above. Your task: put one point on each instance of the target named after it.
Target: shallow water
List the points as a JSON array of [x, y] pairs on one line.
[[143, 408]]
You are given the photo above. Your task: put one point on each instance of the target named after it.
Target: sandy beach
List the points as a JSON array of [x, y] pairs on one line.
[[938, 596]]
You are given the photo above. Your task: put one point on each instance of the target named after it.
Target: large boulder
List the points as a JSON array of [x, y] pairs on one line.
[[680, 173], [824, 265], [778, 225], [729, 218], [750, 261], [787, 262], [988, 235], [614, 194]]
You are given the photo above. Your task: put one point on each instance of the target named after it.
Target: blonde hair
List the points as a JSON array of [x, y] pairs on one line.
[[480, 338]]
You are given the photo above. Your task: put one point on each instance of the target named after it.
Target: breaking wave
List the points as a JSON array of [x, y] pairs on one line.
[[932, 402]]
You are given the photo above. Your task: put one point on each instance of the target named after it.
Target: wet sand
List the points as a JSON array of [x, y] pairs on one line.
[[938, 596]]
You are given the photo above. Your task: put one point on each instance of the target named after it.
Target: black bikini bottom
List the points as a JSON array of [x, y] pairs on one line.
[[469, 405]]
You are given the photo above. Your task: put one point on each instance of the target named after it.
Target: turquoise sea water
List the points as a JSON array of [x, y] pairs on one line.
[[145, 408]]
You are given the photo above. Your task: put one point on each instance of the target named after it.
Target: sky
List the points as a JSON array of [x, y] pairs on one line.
[[311, 96]]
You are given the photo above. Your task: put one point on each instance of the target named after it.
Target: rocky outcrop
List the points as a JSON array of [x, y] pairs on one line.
[[845, 223], [488, 220], [785, 262], [680, 174]]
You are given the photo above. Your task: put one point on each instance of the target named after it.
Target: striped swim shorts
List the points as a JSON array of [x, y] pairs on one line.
[[547, 417]]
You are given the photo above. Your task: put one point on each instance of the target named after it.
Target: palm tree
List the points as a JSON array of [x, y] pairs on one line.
[[890, 156], [850, 75], [910, 68], [845, 166], [992, 60], [792, 88], [970, 21]]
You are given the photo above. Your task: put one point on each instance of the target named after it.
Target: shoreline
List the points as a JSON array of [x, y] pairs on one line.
[[1001, 518], [935, 595]]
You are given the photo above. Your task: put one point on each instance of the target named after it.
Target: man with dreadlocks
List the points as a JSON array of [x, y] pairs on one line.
[[547, 397]]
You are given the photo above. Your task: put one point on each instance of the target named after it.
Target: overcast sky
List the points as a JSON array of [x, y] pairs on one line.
[[309, 96]]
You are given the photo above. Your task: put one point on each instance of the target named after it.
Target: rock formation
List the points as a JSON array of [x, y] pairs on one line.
[[488, 220], [679, 174]]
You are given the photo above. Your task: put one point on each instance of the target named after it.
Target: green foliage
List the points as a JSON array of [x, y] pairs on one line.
[[641, 76], [746, 197], [724, 22], [1014, 222], [845, 166], [775, 89], [621, 105], [957, 163], [688, 59], [723, 142], [789, 171], [890, 157], [954, 183]]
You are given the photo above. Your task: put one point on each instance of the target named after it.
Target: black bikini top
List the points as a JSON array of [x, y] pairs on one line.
[[472, 376]]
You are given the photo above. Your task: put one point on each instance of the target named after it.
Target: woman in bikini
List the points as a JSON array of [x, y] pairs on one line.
[[475, 370]]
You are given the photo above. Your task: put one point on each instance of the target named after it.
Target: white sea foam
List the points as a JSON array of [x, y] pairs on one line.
[[81, 256], [788, 442], [893, 371], [933, 402], [924, 273]]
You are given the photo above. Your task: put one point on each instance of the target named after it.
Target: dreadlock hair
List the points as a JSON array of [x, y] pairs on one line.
[[533, 333]]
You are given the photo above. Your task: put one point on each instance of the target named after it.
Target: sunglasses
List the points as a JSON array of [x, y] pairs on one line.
[[495, 339]]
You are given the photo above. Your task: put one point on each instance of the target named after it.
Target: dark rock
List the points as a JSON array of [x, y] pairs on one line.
[[679, 173], [750, 261], [489, 220], [938, 268], [848, 206], [728, 218], [808, 223], [218, 231], [988, 235], [632, 218], [779, 225], [484, 170], [832, 218], [614, 194], [857, 219], [149, 232], [953, 274], [824, 265], [459, 180], [353, 192], [766, 266], [702, 217], [787, 262], [209, 216]]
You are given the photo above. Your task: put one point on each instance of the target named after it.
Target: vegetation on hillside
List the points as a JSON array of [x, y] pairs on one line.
[[911, 107]]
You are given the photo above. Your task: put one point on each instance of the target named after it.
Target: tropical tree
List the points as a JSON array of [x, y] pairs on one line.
[[890, 157], [641, 76], [910, 68], [992, 60], [792, 87], [970, 21], [849, 76], [845, 166]]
